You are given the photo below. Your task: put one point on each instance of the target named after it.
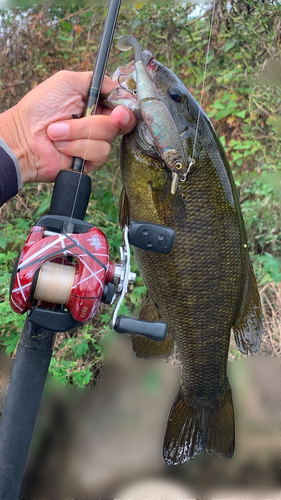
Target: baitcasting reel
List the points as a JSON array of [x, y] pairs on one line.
[[64, 272]]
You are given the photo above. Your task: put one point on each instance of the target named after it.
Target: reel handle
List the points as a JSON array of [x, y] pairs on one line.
[[154, 238], [149, 329]]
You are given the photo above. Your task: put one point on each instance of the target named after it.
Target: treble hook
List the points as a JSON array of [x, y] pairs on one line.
[[120, 86], [191, 163]]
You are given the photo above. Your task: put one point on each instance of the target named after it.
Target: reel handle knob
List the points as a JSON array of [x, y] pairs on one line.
[[149, 329], [153, 237]]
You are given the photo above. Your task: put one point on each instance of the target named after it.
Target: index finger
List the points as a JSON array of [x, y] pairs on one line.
[[107, 85]]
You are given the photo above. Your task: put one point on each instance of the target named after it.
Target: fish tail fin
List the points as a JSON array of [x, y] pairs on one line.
[[194, 429]]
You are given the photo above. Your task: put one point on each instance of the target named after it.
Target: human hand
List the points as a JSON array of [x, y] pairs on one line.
[[44, 136]]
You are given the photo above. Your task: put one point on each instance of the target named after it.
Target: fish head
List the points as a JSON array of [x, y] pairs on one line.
[[183, 108], [177, 155]]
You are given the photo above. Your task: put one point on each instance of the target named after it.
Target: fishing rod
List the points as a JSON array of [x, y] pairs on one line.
[[35, 347], [59, 280]]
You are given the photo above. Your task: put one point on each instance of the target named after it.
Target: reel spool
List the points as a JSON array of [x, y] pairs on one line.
[[54, 283]]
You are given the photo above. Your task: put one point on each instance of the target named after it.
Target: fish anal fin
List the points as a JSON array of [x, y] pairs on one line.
[[195, 428], [247, 328], [146, 348], [124, 212]]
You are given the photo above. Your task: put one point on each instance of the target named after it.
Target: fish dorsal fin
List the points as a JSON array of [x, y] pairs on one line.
[[247, 328], [124, 212], [145, 348]]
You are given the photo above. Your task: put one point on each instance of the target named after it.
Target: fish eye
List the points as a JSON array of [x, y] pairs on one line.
[[178, 165], [175, 93]]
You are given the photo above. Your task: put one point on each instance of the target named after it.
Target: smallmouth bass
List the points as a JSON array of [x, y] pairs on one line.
[[206, 286]]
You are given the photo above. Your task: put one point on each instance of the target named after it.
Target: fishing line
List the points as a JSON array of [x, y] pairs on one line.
[[203, 83], [80, 175]]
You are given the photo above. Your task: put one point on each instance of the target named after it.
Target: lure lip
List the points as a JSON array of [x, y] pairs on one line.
[[175, 182]]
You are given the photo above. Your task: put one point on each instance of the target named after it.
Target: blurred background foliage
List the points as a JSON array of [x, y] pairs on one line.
[[242, 96]]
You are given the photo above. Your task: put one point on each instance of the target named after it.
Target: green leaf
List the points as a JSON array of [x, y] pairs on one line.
[[218, 105], [137, 22], [233, 143], [222, 114], [43, 207], [82, 349], [11, 343], [247, 153], [229, 45], [64, 38], [137, 294], [236, 156], [212, 113], [66, 26], [225, 97], [161, 24], [242, 114], [3, 241]]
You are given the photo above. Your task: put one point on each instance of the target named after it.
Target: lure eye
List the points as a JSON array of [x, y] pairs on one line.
[[175, 93], [178, 165]]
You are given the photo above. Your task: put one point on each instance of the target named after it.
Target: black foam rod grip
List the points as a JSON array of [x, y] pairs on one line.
[[149, 329], [22, 402], [71, 194]]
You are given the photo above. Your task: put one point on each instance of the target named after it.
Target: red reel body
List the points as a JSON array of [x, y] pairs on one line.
[[87, 255]]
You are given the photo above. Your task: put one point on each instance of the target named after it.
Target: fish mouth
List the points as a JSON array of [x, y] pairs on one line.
[[125, 94]]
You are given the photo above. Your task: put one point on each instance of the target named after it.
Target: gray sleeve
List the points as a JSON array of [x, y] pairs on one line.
[[13, 157]]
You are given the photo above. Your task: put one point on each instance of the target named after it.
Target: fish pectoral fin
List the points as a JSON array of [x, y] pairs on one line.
[[145, 348], [124, 212], [247, 328], [194, 428]]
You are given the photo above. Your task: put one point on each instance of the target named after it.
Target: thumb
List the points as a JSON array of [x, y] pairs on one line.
[[123, 119]]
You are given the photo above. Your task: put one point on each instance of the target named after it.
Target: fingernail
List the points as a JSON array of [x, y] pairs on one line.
[[60, 144], [58, 129], [125, 118]]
